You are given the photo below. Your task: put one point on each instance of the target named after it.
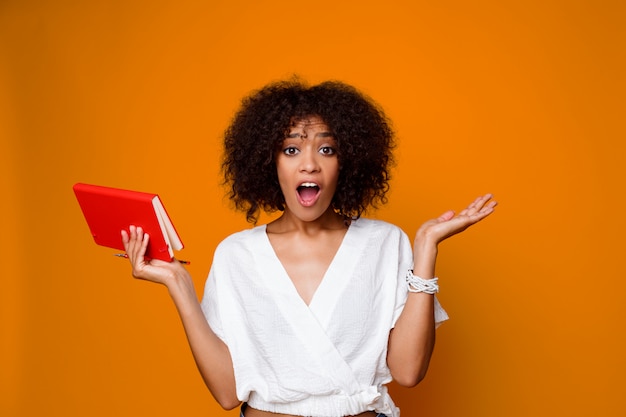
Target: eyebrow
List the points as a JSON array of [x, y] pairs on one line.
[[296, 135]]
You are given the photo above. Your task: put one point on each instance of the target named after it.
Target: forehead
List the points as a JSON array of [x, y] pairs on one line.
[[308, 122]]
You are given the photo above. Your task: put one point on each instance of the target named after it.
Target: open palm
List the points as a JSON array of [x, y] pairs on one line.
[[449, 223]]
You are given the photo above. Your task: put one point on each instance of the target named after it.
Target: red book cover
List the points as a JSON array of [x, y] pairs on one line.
[[108, 211]]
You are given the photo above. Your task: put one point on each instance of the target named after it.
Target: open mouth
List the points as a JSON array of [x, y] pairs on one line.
[[308, 192]]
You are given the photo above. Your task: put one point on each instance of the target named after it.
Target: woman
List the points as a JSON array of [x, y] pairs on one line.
[[315, 312]]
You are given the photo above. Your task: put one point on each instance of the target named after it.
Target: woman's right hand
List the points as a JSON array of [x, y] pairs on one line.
[[155, 270], [210, 352]]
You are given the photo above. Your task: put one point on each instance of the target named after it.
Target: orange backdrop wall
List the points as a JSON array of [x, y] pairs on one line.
[[521, 99]]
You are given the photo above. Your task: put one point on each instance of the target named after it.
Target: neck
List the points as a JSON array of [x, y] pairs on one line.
[[290, 223]]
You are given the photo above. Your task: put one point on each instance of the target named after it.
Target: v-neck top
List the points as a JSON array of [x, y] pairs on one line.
[[327, 358]]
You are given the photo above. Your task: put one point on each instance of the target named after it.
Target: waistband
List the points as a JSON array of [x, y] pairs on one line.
[[245, 405]]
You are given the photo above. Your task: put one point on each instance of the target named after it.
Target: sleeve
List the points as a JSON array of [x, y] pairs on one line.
[[405, 262], [210, 303], [440, 313]]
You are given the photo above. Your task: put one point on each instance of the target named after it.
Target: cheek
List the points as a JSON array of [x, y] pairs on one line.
[[285, 182], [281, 169], [335, 168]]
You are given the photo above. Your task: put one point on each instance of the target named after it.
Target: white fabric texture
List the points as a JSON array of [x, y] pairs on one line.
[[325, 359]]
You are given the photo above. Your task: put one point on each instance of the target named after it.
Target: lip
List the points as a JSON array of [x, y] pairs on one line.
[[311, 199]]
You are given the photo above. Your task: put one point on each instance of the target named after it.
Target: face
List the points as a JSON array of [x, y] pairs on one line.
[[308, 168]]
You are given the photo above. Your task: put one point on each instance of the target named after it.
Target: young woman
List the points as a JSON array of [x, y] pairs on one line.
[[315, 312]]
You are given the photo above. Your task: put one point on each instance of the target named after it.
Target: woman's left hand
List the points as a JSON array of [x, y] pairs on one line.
[[449, 224]]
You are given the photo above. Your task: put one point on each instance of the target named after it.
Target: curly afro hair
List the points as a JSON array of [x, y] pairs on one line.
[[363, 133]]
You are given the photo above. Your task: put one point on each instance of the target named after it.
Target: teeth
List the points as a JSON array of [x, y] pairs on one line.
[[308, 184]]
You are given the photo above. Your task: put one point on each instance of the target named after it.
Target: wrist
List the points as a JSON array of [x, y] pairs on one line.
[[425, 251], [426, 239], [418, 284], [425, 258], [180, 284]]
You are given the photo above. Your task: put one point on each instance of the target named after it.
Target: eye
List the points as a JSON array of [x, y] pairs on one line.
[[327, 150], [291, 150]]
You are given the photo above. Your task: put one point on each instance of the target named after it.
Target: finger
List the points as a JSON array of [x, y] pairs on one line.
[[125, 239], [135, 243], [467, 211], [480, 201], [144, 244], [140, 244], [132, 237], [484, 211], [485, 201], [488, 205], [139, 238], [476, 205]]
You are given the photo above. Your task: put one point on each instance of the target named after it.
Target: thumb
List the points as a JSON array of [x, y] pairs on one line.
[[446, 216]]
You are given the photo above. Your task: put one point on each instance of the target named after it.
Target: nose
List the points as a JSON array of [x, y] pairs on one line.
[[309, 162]]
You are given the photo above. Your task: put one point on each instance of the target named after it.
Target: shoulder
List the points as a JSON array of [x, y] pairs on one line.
[[377, 227], [241, 241], [381, 234]]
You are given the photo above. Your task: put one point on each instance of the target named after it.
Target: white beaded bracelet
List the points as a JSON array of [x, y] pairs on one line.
[[418, 284]]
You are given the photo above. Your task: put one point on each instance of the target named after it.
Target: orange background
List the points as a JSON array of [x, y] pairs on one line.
[[521, 99]]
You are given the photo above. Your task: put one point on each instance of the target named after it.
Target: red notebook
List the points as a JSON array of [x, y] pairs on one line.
[[108, 211]]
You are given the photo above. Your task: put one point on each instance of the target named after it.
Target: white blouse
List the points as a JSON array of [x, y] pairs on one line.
[[325, 359]]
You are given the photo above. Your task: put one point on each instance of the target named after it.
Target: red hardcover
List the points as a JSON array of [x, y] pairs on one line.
[[108, 211]]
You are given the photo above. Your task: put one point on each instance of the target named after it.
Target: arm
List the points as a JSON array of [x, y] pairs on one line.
[[210, 353], [412, 340]]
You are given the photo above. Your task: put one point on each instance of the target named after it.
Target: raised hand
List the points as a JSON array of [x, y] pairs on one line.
[[449, 224], [135, 244], [209, 351]]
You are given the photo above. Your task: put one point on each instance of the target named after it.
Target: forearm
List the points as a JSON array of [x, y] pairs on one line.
[[412, 340], [210, 353]]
